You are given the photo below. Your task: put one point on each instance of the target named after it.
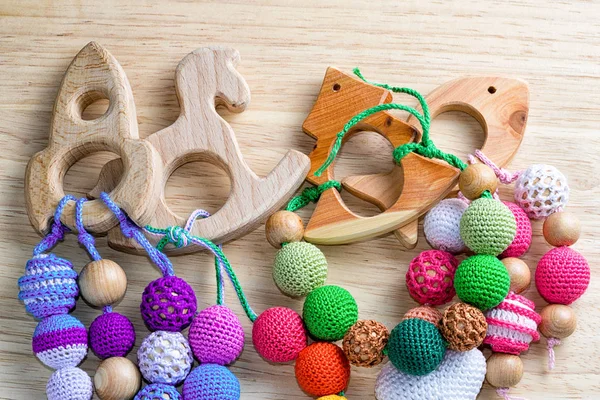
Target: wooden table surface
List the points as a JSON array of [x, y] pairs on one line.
[[285, 48]]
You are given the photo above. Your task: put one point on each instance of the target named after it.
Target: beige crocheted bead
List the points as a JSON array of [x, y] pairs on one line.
[[364, 342], [427, 313], [463, 326]]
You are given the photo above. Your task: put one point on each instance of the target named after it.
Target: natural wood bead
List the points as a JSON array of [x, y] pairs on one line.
[[558, 321], [520, 275], [117, 378], [562, 229], [476, 179], [102, 283], [284, 227], [504, 370]]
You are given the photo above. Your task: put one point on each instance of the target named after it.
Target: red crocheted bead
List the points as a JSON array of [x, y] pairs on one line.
[[522, 240], [278, 334], [562, 275], [322, 369], [430, 277], [168, 304]]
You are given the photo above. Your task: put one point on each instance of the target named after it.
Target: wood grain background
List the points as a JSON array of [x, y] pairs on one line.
[[285, 48]]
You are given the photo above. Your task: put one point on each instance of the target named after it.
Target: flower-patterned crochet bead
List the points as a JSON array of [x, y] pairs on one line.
[[426, 313], [322, 369], [278, 334], [562, 275], [69, 383], [111, 335], [158, 391], [541, 190], [216, 336], [60, 341], [523, 236], [211, 382], [49, 286], [512, 325], [463, 326], [364, 343], [430, 277], [442, 226], [165, 357], [168, 304]]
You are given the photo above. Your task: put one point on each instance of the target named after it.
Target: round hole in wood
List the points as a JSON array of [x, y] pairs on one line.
[[492, 89], [336, 87], [91, 105]]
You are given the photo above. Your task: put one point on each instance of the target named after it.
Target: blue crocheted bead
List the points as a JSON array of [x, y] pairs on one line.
[[211, 382], [158, 391], [49, 286]]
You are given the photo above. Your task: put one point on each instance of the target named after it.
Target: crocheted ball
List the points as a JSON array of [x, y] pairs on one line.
[[512, 325], [365, 342], [463, 326], [111, 335], [158, 391], [322, 369], [416, 347], [60, 341], [442, 226], [332, 397], [425, 313], [328, 312], [482, 281], [430, 276], [211, 382], [49, 286], [488, 226], [541, 190], [69, 383], [522, 240], [299, 268], [458, 377], [278, 334], [216, 336], [562, 275], [165, 357], [168, 304]]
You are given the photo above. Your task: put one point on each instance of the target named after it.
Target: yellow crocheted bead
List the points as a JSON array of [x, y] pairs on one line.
[[332, 397]]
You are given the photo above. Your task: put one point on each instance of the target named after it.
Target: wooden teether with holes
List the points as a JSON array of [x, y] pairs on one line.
[[500, 105]]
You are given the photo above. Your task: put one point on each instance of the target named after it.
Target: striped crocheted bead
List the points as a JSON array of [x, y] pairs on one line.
[[488, 227], [442, 226], [512, 325], [69, 383], [158, 391], [60, 341], [49, 286], [211, 381]]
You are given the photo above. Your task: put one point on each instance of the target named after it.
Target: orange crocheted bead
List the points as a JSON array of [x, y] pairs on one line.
[[427, 313], [364, 343], [322, 369], [463, 326]]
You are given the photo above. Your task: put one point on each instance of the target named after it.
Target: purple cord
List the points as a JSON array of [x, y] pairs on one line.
[[83, 236], [57, 232]]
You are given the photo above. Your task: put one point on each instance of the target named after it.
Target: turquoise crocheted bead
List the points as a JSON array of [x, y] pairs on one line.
[[329, 312], [482, 281], [487, 226], [299, 268]]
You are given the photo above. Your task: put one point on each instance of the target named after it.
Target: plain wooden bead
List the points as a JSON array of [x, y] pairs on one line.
[[558, 321], [562, 229], [117, 378], [284, 227], [476, 179], [102, 283], [520, 275], [504, 370]]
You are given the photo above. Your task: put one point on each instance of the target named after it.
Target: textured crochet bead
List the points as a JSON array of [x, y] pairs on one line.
[[463, 326], [522, 240], [482, 281], [158, 391], [211, 382], [49, 286], [322, 369], [488, 226], [512, 325], [416, 347], [111, 335], [69, 384], [459, 377], [541, 190], [278, 334], [60, 341], [165, 357], [562, 275], [328, 312], [299, 268], [426, 313], [332, 397], [365, 342], [168, 304], [216, 336], [430, 276], [442, 226]]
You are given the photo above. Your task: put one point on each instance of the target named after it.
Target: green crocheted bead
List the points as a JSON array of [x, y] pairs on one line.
[[300, 267], [416, 347], [329, 312], [482, 281], [487, 227]]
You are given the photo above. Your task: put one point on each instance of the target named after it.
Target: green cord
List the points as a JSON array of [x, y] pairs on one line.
[[311, 194]]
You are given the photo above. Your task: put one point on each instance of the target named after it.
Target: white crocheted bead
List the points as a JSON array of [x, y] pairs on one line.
[[165, 357], [459, 377], [62, 357], [442, 226], [69, 383], [541, 190]]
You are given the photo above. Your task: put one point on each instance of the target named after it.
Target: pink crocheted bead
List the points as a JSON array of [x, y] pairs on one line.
[[216, 336], [278, 334], [430, 277], [562, 275], [522, 240], [168, 304]]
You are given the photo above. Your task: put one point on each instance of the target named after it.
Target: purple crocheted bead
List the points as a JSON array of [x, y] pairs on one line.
[[111, 335], [60, 341], [216, 336], [168, 304], [211, 382], [158, 391]]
